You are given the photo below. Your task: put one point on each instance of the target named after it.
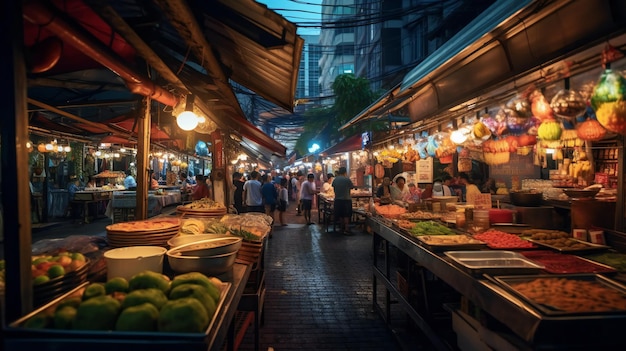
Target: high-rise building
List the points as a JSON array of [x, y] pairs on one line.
[[309, 73], [388, 37], [337, 41]]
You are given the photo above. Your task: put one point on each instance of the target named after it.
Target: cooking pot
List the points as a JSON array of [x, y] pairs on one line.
[[526, 198]]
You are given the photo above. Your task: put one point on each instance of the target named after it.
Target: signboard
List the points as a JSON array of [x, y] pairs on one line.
[[218, 153], [424, 173], [365, 140], [480, 201]]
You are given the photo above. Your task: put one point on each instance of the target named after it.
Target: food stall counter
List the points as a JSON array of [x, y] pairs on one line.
[[530, 327]]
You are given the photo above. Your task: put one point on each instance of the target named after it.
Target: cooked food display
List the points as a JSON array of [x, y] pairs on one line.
[[148, 225], [205, 204], [420, 215], [497, 239], [571, 295], [449, 240], [556, 239]]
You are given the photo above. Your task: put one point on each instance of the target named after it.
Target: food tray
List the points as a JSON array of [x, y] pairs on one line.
[[450, 242], [569, 290], [589, 247], [494, 262], [559, 263], [119, 340]]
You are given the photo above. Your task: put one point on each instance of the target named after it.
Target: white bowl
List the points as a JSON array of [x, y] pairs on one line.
[[209, 247], [125, 262]]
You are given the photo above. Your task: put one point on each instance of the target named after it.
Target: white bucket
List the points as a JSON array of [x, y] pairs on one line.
[[125, 262]]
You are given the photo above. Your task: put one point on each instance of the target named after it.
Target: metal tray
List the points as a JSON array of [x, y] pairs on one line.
[[559, 263], [551, 309], [119, 340], [494, 262], [446, 242], [589, 247]]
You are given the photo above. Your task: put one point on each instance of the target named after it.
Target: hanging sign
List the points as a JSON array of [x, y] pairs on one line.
[[424, 173], [218, 149]]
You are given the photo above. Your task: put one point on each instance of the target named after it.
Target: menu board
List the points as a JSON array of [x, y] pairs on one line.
[[480, 201], [424, 172]]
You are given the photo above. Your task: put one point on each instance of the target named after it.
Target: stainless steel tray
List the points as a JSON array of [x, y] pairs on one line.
[[450, 242], [557, 301], [494, 262]]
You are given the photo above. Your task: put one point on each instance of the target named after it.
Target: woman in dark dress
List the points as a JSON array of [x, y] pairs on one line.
[[238, 193]]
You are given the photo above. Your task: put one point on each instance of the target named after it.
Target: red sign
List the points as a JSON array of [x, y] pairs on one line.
[[218, 149]]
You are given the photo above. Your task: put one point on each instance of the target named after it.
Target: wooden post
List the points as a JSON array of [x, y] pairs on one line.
[[143, 148]]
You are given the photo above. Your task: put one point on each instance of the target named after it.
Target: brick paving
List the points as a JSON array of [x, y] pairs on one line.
[[318, 293]]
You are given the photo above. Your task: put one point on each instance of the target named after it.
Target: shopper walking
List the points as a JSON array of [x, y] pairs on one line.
[[252, 193], [270, 195], [283, 200], [308, 191], [343, 201], [238, 192]]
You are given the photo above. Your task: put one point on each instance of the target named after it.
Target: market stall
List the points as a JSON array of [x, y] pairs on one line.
[[508, 319]]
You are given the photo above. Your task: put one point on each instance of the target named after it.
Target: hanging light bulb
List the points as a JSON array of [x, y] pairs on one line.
[[98, 153], [187, 120], [49, 147], [67, 148], [59, 148]]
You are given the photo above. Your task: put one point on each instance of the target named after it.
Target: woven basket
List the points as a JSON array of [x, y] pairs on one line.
[[497, 158]]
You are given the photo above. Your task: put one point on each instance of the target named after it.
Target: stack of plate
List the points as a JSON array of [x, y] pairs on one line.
[[200, 213], [53, 288], [142, 233]]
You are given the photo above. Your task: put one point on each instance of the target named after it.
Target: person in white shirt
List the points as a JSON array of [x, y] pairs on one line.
[[440, 189], [307, 192], [327, 186]]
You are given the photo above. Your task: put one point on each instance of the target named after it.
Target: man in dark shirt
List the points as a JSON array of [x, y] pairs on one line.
[[343, 201]]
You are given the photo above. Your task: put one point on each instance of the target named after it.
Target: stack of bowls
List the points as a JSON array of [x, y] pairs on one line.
[[211, 256]]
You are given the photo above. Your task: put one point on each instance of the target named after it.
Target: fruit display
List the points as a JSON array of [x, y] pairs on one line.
[[497, 239], [449, 240], [148, 302], [571, 295], [45, 268], [420, 215]]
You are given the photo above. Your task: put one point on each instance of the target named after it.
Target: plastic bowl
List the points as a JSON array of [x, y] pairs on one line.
[[209, 265], [209, 247], [125, 262]]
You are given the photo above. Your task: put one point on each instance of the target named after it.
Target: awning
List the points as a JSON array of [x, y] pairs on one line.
[[352, 143], [500, 48]]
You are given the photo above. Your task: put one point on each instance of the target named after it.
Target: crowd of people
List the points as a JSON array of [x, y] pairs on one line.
[[272, 192], [397, 190]]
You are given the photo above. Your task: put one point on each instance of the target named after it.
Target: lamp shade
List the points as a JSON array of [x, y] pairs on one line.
[[187, 120]]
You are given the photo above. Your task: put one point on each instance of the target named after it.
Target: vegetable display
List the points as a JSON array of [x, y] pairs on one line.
[[430, 228]]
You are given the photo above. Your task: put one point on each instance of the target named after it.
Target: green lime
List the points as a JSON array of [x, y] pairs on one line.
[[56, 271], [77, 256], [40, 260], [41, 279]]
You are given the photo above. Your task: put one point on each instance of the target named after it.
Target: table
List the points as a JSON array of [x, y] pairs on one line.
[[169, 198], [18, 338], [85, 198]]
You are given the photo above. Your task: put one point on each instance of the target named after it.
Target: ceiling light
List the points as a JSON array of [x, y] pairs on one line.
[[188, 120]]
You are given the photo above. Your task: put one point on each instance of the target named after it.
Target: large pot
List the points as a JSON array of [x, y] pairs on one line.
[[526, 198]]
